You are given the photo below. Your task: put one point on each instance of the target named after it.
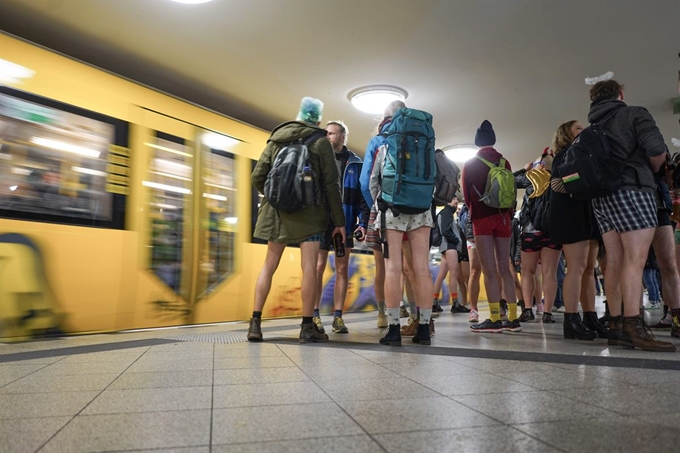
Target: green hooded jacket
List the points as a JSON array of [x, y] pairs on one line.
[[293, 227]]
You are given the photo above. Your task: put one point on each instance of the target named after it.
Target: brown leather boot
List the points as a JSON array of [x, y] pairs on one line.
[[255, 330], [636, 334], [309, 333]]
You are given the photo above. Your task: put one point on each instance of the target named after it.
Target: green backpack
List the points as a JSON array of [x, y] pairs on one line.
[[501, 191]]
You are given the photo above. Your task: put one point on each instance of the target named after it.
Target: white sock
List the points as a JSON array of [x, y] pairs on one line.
[[393, 316], [425, 315]]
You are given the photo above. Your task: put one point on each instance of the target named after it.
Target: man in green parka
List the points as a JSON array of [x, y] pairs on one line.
[[306, 226]]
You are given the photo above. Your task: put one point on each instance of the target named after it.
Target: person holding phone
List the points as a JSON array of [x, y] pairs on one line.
[[356, 211]]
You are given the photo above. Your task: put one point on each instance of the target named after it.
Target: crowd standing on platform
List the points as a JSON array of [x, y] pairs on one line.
[[598, 216]]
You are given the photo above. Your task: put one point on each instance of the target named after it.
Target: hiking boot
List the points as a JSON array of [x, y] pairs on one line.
[[422, 336], [488, 326], [574, 329], [318, 324], [527, 315], [309, 333], [436, 306], [403, 312], [548, 318], [458, 308], [393, 337], [432, 327], [382, 321], [410, 328], [255, 330], [636, 334], [473, 316], [511, 326], [615, 330], [339, 326], [590, 320]]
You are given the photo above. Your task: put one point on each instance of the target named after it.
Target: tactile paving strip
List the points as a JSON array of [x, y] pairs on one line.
[[219, 337]]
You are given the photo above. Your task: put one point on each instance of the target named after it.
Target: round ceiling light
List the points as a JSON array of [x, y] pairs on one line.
[[192, 2], [373, 99], [460, 153]]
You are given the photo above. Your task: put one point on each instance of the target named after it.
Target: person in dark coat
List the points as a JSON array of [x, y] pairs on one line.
[[306, 226]]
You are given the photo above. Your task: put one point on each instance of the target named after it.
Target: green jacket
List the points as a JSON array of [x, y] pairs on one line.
[[293, 227]]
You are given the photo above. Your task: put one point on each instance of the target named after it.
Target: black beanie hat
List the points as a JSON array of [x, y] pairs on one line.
[[485, 135]]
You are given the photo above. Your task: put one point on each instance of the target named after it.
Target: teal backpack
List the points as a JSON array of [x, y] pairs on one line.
[[409, 170], [501, 190]]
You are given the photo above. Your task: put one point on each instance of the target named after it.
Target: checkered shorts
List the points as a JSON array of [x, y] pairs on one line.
[[625, 210]]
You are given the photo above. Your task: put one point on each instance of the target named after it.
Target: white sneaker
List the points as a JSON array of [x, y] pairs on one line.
[[473, 316], [562, 309]]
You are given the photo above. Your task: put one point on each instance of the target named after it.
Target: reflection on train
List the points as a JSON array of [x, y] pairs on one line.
[[125, 208]]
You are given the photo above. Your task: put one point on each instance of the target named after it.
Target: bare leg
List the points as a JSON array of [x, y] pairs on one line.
[[475, 275], [321, 262], [463, 275], [441, 276], [577, 257], [549, 260], [487, 255], [341, 280], [379, 284], [393, 270], [529, 265], [664, 247], [419, 241], [309, 252], [588, 283], [635, 250], [264, 280], [452, 260]]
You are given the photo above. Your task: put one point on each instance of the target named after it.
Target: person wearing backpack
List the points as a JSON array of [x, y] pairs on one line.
[[304, 226], [572, 223], [356, 217], [373, 240], [536, 244], [403, 186], [627, 217], [489, 191]]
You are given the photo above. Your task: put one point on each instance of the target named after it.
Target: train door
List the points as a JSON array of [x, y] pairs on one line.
[[186, 215]]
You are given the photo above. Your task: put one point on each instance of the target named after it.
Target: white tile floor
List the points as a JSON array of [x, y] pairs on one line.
[[148, 391]]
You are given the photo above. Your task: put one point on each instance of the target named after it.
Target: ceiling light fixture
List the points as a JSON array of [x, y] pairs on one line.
[[374, 98], [460, 153], [192, 2]]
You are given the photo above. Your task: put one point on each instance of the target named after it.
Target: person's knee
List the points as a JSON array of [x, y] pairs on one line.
[[342, 266]]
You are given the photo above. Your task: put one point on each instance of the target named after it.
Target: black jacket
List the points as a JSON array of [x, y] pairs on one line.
[[631, 130]]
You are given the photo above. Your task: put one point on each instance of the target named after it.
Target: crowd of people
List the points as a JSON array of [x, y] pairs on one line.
[[623, 225]]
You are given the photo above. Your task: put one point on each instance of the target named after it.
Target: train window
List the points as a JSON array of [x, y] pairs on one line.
[[55, 162], [170, 184], [219, 229]]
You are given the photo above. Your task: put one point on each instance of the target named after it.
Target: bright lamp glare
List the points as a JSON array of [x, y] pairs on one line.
[[374, 99], [460, 153], [218, 141], [13, 73], [67, 147]]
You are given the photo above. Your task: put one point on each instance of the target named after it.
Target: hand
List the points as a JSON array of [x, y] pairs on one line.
[[362, 230], [341, 231], [529, 166], [517, 263]]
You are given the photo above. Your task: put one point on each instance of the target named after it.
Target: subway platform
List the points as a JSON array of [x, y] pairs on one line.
[[206, 389]]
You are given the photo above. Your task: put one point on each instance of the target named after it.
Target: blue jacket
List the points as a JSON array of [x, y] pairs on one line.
[[369, 160], [353, 204]]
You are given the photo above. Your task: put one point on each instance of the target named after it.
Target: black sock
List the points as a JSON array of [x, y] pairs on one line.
[[337, 314], [257, 314], [307, 319]]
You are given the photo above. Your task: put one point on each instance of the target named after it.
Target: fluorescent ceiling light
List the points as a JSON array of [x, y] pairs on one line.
[[231, 220], [13, 73], [192, 2], [170, 150], [20, 171], [88, 171], [218, 141], [166, 187], [373, 99], [215, 197], [67, 147], [460, 153]]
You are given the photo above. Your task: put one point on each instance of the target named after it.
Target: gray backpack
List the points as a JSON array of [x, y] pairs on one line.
[[447, 179]]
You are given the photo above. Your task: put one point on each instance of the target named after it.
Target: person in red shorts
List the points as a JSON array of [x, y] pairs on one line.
[[492, 228]]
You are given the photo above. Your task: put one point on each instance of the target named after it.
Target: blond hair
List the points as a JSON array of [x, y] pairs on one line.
[[563, 137]]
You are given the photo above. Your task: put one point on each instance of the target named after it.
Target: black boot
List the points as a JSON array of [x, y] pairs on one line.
[[423, 334], [590, 320], [575, 329], [393, 337], [255, 330], [604, 320], [615, 330], [527, 315]]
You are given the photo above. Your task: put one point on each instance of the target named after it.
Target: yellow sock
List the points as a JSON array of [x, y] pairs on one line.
[[512, 311], [495, 308]]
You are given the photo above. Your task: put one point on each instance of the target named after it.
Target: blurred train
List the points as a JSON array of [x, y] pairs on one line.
[[123, 208]]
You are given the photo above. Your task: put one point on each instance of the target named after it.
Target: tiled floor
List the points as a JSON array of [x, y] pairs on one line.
[[205, 389]]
